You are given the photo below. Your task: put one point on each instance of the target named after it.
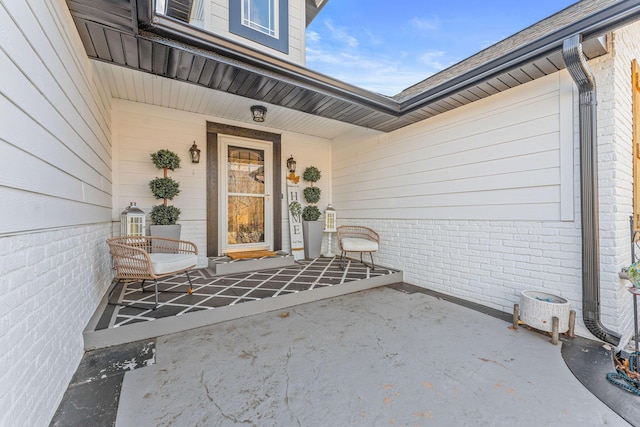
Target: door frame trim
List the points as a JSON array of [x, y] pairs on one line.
[[213, 191]]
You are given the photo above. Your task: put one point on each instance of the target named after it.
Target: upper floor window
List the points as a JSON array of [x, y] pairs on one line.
[[261, 16], [263, 21]]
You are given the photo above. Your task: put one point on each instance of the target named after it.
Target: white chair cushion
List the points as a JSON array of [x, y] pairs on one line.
[[168, 263], [356, 244]]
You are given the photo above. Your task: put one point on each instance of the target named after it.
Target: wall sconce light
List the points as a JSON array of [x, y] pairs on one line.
[[259, 113], [291, 164], [195, 153]]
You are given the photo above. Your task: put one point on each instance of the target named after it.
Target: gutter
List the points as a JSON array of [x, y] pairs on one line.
[[172, 32], [580, 72], [175, 33]]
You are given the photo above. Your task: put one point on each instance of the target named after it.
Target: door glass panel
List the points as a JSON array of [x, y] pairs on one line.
[[246, 195], [246, 220]]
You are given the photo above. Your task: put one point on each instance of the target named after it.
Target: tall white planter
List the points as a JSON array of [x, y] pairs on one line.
[[312, 232], [167, 231]]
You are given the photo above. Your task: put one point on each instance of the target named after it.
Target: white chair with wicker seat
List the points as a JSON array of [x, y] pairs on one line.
[[353, 238], [143, 258]]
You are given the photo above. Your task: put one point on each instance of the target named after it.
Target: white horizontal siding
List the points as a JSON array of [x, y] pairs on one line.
[[55, 204], [143, 129], [499, 158], [58, 142]]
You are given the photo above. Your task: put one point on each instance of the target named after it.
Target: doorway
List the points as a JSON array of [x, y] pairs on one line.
[[246, 202], [244, 195]]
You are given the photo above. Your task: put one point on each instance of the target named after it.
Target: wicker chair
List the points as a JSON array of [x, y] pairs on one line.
[[353, 238], [142, 258]]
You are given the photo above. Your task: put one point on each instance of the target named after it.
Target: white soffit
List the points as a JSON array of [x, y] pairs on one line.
[[132, 85]]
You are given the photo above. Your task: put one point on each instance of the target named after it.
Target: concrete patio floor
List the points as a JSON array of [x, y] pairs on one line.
[[377, 357]]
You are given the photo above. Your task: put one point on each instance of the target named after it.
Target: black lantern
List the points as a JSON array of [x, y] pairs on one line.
[[291, 164], [195, 153], [259, 113]]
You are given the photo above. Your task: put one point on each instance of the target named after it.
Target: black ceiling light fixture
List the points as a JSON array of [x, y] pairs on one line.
[[259, 113]]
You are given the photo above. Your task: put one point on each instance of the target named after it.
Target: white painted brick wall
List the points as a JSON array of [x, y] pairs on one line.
[[613, 78], [51, 283], [491, 262], [488, 262]]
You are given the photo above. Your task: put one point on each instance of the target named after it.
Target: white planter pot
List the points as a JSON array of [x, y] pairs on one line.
[[312, 235], [168, 231], [537, 310]]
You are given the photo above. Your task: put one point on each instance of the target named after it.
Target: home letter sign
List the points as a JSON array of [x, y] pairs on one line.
[[295, 221]]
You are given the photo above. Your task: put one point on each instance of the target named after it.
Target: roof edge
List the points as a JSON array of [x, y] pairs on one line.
[[591, 26], [176, 30]]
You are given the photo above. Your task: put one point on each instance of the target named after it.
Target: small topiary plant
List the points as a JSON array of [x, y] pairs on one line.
[[165, 159], [311, 194], [164, 215], [310, 213], [165, 188]]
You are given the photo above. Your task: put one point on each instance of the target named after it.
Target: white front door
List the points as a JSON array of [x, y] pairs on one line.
[[246, 205]]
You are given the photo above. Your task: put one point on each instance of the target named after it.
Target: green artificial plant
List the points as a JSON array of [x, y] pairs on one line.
[[165, 188], [311, 194]]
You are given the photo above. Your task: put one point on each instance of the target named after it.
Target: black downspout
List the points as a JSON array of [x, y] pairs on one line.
[[578, 68]]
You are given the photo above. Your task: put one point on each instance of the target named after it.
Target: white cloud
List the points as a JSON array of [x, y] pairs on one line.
[[341, 35], [376, 66], [313, 36], [433, 59], [425, 24], [382, 74]]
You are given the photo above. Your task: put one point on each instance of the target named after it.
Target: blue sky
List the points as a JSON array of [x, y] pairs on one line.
[[386, 46]]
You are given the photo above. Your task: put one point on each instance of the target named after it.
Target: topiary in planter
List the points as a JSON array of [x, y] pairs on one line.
[[311, 174], [165, 159], [164, 215], [310, 213], [165, 188], [311, 194]]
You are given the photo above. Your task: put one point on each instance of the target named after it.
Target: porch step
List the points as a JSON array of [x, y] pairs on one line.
[[222, 266]]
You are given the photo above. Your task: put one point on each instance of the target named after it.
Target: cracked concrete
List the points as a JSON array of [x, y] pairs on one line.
[[378, 357]]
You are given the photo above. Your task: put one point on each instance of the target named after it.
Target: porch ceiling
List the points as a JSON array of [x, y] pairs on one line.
[[132, 85], [129, 34]]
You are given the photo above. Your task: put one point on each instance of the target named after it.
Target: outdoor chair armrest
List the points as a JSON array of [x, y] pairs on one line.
[[130, 262]]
